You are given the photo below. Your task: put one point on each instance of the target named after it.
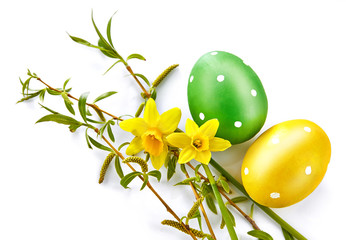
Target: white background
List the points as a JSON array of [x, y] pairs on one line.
[[48, 176]]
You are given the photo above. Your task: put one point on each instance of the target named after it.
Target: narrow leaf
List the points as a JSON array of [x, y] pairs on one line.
[[125, 181], [65, 83], [112, 66], [42, 94], [87, 139], [172, 163], [88, 44], [99, 145], [103, 40], [82, 105], [69, 107], [251, 210], [137, 56], [145, 181], [287, 235], [156, 174], [225, 186], [108, 51], [59, 118], [110, 133], [122, 145], [104, 95], [53, 92], [260, 235], [118, 168], [210, 203], [48, 109], [109, 26], [143, 77], [239, 199]]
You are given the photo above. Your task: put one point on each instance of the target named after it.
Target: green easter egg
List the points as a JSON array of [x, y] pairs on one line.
[[222, 86]]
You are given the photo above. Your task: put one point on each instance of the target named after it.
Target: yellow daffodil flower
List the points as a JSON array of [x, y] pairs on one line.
[[198, 142], [151, 131]]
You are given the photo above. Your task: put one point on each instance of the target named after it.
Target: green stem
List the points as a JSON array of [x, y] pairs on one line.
[[267, 210], [222, 206]]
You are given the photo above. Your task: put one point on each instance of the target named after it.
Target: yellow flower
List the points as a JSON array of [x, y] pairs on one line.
[[198, 143], [151, 131]]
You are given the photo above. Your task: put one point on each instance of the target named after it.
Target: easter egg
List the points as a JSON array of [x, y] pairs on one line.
[[286, 163], [222, 86]]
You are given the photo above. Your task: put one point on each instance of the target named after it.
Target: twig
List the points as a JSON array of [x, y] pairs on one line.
[[94, 106], [168, 208]]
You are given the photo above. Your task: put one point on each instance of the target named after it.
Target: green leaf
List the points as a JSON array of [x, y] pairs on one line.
[[143, 77], [260, 235], [183, 168], [125, 181], [156, 174], [53, 92], [88, 44], [123, 145], [109, 26], [110, 133], [209, 199], [82, 105], [239, 199], [99, 145], [172, 163], [87, 139], [109, 52], [225, 186], [29, 96], [137, 56], [103, 40], [112, 66], [251, 210], [48, 109], [69, 107], [104, 95], [61, 119], [94, 121], [145, 181], [287, 235], [65, 83], [42, 94], [118, 168]]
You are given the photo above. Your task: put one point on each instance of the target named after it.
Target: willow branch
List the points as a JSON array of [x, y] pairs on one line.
[[129, 69], [168, 208], [94, 106]]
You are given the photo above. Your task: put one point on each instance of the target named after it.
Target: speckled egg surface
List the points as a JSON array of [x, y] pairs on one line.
[[286, 163], [221, 86]]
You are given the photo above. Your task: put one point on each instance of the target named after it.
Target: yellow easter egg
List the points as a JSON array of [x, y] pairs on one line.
[[286, 163]]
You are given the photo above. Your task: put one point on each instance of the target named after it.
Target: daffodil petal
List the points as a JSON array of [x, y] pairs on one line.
[[209, 128], [158, 161], [169, 120], [179, 140], [218, 144], [137, 126], [151, 115], [191, 128], [135, 146], [203, 157], [186, 155]]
